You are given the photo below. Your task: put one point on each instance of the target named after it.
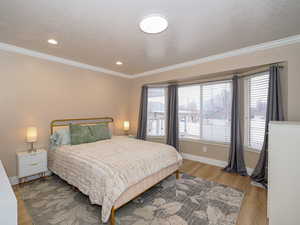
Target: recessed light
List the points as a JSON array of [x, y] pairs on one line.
[[52, 41], [119, 63], [153, 24]]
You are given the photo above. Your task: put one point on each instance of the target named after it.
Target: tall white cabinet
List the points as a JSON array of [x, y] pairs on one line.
[[8, 201], [284, 173]]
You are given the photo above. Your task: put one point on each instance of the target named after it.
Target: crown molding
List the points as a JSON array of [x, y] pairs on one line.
[[242, 51], [24, 51]]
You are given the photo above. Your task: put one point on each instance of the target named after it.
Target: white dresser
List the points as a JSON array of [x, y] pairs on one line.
[[8, 201], [284, 173]]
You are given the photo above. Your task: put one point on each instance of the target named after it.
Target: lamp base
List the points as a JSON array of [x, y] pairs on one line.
[[32, 149]]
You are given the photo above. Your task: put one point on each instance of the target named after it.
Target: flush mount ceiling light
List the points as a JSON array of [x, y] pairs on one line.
[[52, 41], [153, 24], [119, 63]]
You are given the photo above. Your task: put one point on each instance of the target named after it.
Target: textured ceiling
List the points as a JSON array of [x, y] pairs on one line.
[[99, 32]]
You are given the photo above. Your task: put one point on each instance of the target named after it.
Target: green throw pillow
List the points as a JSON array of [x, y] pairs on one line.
[[100, 131], [81, 134], [87, 134]]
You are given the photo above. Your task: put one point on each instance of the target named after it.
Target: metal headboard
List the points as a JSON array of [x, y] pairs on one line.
[[81, 121]]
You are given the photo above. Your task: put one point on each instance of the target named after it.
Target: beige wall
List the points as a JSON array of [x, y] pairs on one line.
[[214, 150], [35, 92], [291, 89]]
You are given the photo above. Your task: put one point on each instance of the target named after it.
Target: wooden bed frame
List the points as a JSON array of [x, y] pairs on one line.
[[112, 215], [92, 121]]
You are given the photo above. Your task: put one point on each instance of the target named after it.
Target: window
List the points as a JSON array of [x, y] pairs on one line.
[[217, 111], [189, 111], [205, 111], [256, 96], [156, 118]]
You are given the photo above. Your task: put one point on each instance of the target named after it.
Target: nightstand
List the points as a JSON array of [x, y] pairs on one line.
[[31, 163]]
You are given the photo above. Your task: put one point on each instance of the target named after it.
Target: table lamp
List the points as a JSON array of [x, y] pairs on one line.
[[31, 137], [126, 127]]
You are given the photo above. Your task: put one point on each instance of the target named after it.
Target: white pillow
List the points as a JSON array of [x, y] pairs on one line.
[[60, 137]]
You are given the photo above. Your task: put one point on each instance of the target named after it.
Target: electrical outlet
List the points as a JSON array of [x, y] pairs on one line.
[[204, 149]]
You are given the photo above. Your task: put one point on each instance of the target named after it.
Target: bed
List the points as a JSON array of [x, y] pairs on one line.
[[115, 171]]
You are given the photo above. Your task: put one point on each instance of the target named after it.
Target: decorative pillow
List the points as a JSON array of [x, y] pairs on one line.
[[81, 134], [60, 137], [100, 131]]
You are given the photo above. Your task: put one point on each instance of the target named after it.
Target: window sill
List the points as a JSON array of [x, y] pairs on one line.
[[156, 137], [223, 144]]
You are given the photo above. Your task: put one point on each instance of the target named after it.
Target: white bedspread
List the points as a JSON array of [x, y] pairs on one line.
[[103, 170]]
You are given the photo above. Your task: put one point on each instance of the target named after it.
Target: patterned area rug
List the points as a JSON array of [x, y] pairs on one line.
[[187, 201]]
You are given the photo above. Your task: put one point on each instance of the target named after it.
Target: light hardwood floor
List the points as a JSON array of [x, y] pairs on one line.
[[254, 207]]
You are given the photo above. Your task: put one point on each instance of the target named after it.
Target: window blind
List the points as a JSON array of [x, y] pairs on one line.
[[257, 108]]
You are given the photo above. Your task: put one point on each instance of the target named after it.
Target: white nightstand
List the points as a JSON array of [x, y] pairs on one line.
[[32, 163]]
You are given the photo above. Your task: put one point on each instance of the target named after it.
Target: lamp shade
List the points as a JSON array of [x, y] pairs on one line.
[[126, 125], [31, 135]]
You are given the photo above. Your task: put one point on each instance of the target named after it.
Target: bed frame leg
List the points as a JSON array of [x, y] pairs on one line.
[[112, 216], [177, 174]]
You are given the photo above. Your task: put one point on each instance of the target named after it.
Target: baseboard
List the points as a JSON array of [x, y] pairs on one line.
[[15, 180], [209, 161], [253, 183]]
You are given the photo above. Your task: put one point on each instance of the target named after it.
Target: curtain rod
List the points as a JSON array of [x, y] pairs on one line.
[[262, 69]]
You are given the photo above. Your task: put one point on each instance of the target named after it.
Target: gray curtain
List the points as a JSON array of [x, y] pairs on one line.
[[274, 113], [236, 163], [142, 126], [172, 117]]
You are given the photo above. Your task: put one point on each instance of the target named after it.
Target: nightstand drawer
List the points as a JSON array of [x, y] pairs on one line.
[[32, 158], [31, 168]]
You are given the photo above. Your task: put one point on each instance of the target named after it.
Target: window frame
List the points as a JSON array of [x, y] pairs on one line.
[[247, 108], [166, 112], [200, 138], [246, 113]]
